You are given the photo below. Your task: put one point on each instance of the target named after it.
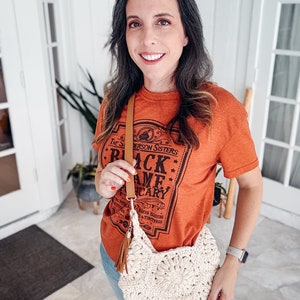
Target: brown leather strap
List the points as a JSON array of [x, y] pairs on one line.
[[129, 145]]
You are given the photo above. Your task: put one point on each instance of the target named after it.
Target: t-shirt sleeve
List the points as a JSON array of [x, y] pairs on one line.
[[98, 130], [238, 155]]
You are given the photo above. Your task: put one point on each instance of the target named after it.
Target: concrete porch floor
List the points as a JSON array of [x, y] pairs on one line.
[[271, 272]]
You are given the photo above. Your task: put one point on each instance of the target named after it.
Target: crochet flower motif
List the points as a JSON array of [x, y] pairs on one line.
[[175, 273]]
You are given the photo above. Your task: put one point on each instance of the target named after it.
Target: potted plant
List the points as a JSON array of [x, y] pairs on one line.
[[83, 174]]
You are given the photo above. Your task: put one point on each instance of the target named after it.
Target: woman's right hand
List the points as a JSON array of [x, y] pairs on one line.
[[113, 177]]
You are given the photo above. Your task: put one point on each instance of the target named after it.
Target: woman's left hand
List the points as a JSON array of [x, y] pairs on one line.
[[224, 281]]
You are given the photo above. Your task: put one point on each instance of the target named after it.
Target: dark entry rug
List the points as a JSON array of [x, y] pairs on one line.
[[33, 265]]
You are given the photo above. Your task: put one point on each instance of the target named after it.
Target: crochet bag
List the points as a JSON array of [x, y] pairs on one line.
[[180, 273]]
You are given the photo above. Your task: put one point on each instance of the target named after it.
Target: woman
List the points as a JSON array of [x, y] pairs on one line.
[[183, 127]]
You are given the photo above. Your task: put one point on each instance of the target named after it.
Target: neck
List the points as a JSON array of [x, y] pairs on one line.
[[159, 86]]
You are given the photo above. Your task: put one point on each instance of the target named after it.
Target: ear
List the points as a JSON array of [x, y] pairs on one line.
[[186, 41]]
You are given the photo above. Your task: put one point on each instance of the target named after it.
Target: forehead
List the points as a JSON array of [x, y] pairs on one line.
[[152, 7]]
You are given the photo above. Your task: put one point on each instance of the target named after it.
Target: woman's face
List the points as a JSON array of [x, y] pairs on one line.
[[155, 39]]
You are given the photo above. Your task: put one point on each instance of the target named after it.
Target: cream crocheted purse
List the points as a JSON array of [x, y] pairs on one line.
[[181, 273]]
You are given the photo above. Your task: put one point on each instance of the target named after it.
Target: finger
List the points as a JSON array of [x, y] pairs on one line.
[[109, 179], [119, 175], [121, 169], [122, 164], [134, 161], [215, 294]]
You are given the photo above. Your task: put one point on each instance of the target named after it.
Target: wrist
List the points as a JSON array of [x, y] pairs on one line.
[[240, 254], [232, 262]]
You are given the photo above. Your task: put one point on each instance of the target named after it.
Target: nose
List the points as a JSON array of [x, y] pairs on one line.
[[149, 36]]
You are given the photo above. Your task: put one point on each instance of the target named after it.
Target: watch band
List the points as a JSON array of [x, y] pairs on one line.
[[240, 254]]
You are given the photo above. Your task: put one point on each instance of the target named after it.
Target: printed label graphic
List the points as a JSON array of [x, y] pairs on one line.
[[160, 167]]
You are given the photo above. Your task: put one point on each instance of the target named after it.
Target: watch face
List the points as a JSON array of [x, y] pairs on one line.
[[244, 257]]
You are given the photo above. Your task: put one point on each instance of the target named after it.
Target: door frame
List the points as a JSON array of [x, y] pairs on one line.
[[23, 201], [272, 206], [34, 65], [39, 103]]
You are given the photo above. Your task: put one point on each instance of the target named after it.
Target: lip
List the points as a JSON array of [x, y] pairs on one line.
[[151, 58]]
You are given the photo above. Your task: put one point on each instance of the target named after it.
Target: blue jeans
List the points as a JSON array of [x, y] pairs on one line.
[[112, 274]]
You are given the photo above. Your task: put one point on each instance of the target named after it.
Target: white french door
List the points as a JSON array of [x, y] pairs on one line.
[[54, 46], [276, 111], [18, 185]]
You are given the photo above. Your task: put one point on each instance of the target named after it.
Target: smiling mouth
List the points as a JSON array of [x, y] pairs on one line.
[[152, 57]]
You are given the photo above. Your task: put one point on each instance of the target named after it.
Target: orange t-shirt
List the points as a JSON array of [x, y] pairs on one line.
[[174, 183]]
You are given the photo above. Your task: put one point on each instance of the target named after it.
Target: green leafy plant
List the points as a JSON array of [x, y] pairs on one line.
[[77, 101], [83, 182], [82, 171]]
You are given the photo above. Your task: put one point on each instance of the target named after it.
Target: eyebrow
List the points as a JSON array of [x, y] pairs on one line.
[[156, 16]]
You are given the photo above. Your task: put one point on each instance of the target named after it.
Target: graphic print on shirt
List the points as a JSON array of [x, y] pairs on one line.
[[160, 168]]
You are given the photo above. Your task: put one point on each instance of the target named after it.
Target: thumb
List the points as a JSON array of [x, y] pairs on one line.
[[214, 294], [134, 161]]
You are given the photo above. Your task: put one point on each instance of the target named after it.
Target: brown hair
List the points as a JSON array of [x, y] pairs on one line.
[[194, 69]]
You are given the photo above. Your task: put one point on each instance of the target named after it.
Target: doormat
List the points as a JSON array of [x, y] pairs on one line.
[[33, 265]]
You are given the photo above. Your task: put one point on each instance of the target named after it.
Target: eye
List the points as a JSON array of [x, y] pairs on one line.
[[164, 22], [133, 24]]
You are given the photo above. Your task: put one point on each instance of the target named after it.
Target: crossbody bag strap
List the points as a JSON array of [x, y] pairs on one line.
[[130, 191], [121, 263]]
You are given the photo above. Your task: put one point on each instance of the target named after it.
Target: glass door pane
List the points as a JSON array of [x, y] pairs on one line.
[[295, 174], [272, 167], [289, 27], [2, 86], [280, 122], [9, 178], [298, 132], [6, 140], [281, 151], [286, 76]]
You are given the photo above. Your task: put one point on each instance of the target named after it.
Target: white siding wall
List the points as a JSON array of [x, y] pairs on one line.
[[91, 28], [227, 33]]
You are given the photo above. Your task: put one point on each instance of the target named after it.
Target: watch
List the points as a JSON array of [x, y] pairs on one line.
[[240, 254]]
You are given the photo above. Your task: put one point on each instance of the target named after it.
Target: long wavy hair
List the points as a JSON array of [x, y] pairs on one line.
[[193, 70]]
